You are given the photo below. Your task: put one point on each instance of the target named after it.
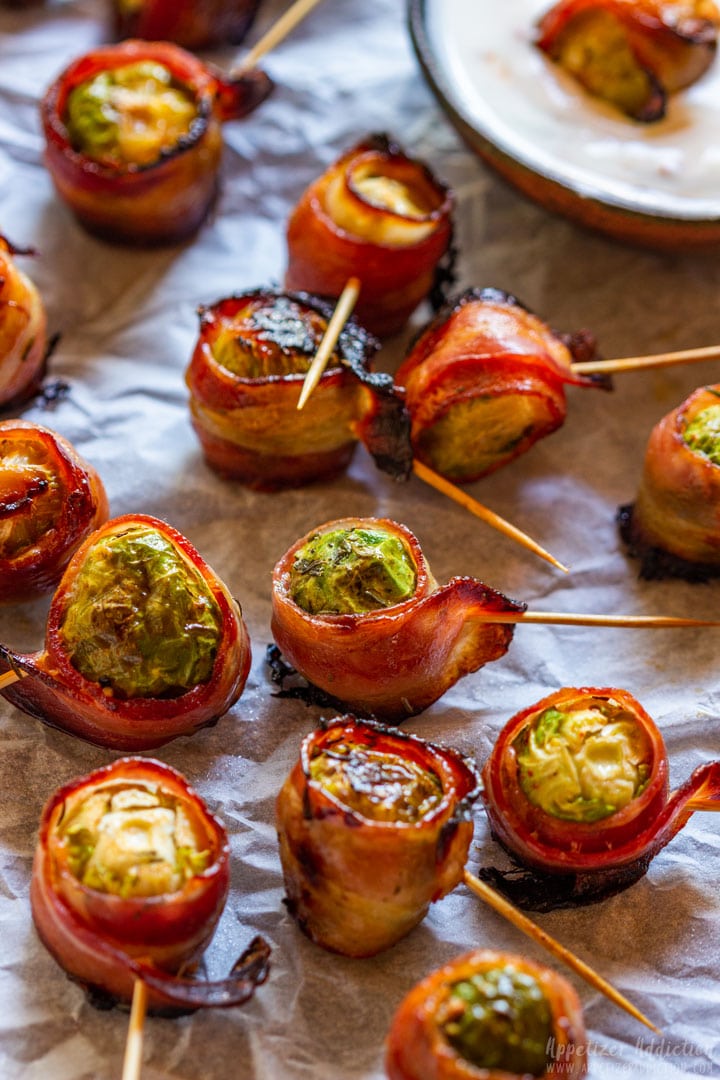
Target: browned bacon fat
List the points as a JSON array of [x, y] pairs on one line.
[[489, 1015], [484, 381], [373, 826], [50, 500], [577, 786], [133, 138], [245, 377], [357, 611], [632, 53], [143, 642], [130, 878], [377, 215]]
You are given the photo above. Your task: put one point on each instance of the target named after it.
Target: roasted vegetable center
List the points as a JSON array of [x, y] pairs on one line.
[[474, 436], [378, 785], [140, 619], [129, 115], [500, 1020], [269, 338], [583, 762], [131, 839], [387, 193], [352, 571], [30, 497], [702, 434], [594, 48]]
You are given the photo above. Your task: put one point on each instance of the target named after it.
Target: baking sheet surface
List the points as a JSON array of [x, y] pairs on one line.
[[127, 323]]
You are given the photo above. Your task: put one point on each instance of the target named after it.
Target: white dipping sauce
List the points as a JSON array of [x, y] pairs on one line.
[[510, 92]]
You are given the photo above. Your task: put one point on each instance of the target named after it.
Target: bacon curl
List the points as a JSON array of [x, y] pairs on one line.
[[106, 941], [23, 330], [485, 351], [670, 42], [53, 690], [394, 662], [194, 24], [417, 1049], [50, 496], [358, 885], [250, 428], [398, 258], [167, 200], [674, 525], [601, 857]]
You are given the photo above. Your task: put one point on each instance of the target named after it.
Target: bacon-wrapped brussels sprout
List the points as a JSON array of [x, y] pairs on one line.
[[245, 376], [484, 381], [492, 1015], [50, 500], [130, 878], [373, 825], [577, 787], [632, 53], [674, 524], [143, 643], [194, 24], [133, 138], [377, 215], [23, 330], [357, 611]]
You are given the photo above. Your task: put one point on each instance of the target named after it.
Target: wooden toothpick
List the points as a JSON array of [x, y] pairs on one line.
[[637, 363], [11, 677], [277, 32], [340, 316], [132, 1063], [564, 618], [532, 930], [429, 476]]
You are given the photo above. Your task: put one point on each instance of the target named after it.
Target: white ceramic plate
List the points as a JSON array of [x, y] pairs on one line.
[[659, 182]]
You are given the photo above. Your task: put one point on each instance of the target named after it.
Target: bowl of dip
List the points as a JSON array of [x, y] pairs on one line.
[[655, 184]]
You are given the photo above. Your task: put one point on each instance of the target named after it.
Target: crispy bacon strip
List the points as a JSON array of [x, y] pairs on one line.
[[194, 24], [169, 199], [356, 884], [485, 380], [50, 500], [632, 53], [248, 424], [55, 691], [417, 1047], [394, 662], [597, 857], [23, 330], [674, 525], [106, 941], [339, 230]]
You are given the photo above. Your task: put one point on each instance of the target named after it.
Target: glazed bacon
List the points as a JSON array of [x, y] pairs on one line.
[[394, 661], [598, 843], [50, 500], [194, 24], [245, 377], [109, 933], [377, 215], [374, 826], [632, 53], [23, 329], [674, 524], [166, 199], [433, 1030], [137, 602], [485, 380]]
